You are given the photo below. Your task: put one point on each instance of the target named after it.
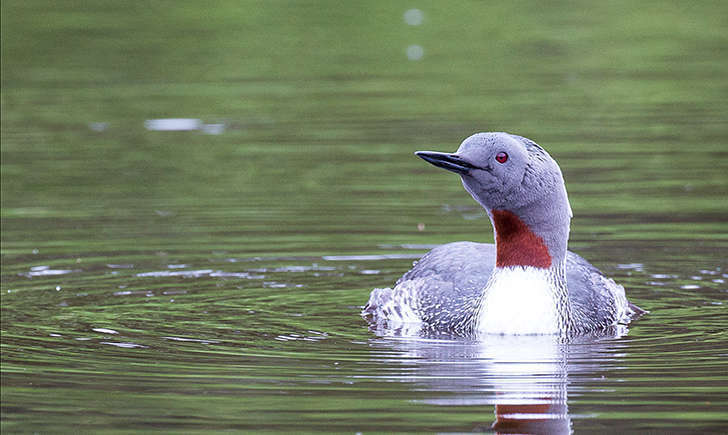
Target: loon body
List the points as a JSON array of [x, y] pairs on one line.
[[525, 283]]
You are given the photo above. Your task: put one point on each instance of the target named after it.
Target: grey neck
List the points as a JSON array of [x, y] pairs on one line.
[[550, 219]]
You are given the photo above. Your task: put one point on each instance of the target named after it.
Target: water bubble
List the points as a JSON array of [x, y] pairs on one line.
[[415, 52], [414, 17]]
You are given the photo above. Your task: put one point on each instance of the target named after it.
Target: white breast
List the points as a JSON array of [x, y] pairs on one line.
[[519, 300]]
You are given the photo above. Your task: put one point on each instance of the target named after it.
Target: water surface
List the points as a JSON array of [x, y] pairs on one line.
[[211, 278]]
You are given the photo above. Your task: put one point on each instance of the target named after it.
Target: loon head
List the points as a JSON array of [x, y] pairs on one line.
[[523, 191]]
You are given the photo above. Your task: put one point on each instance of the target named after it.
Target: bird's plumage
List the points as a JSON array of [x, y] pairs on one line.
[[527, 283], [445, 285]]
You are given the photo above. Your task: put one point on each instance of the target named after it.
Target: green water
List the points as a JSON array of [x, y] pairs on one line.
[[184, 281]]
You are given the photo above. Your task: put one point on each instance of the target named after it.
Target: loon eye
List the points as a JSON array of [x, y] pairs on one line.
[[501, 157]]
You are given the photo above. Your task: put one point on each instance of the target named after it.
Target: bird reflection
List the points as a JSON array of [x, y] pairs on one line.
[[526, 378]]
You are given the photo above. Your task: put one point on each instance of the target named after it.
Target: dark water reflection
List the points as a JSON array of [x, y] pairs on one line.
[[210, 277]]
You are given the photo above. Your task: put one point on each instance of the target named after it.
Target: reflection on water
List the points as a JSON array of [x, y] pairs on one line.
[[173, 124], [180, 124], [524, 378]]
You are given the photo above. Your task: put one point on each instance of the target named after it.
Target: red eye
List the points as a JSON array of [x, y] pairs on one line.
[[501, 157]]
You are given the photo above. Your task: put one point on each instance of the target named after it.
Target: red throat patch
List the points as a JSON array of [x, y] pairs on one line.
[[516, 244]]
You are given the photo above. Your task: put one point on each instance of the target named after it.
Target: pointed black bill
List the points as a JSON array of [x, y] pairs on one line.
[[451, 162]]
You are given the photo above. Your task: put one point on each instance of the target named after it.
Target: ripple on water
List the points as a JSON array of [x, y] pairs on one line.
[[291, 325], [45, 271]]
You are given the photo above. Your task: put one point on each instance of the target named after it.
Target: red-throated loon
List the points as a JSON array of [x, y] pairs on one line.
[[527, 283]]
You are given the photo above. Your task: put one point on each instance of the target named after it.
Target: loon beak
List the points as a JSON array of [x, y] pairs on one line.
[[451, 162]]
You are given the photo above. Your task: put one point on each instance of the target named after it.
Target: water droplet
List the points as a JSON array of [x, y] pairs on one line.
[[414, 17], [415, 52]]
